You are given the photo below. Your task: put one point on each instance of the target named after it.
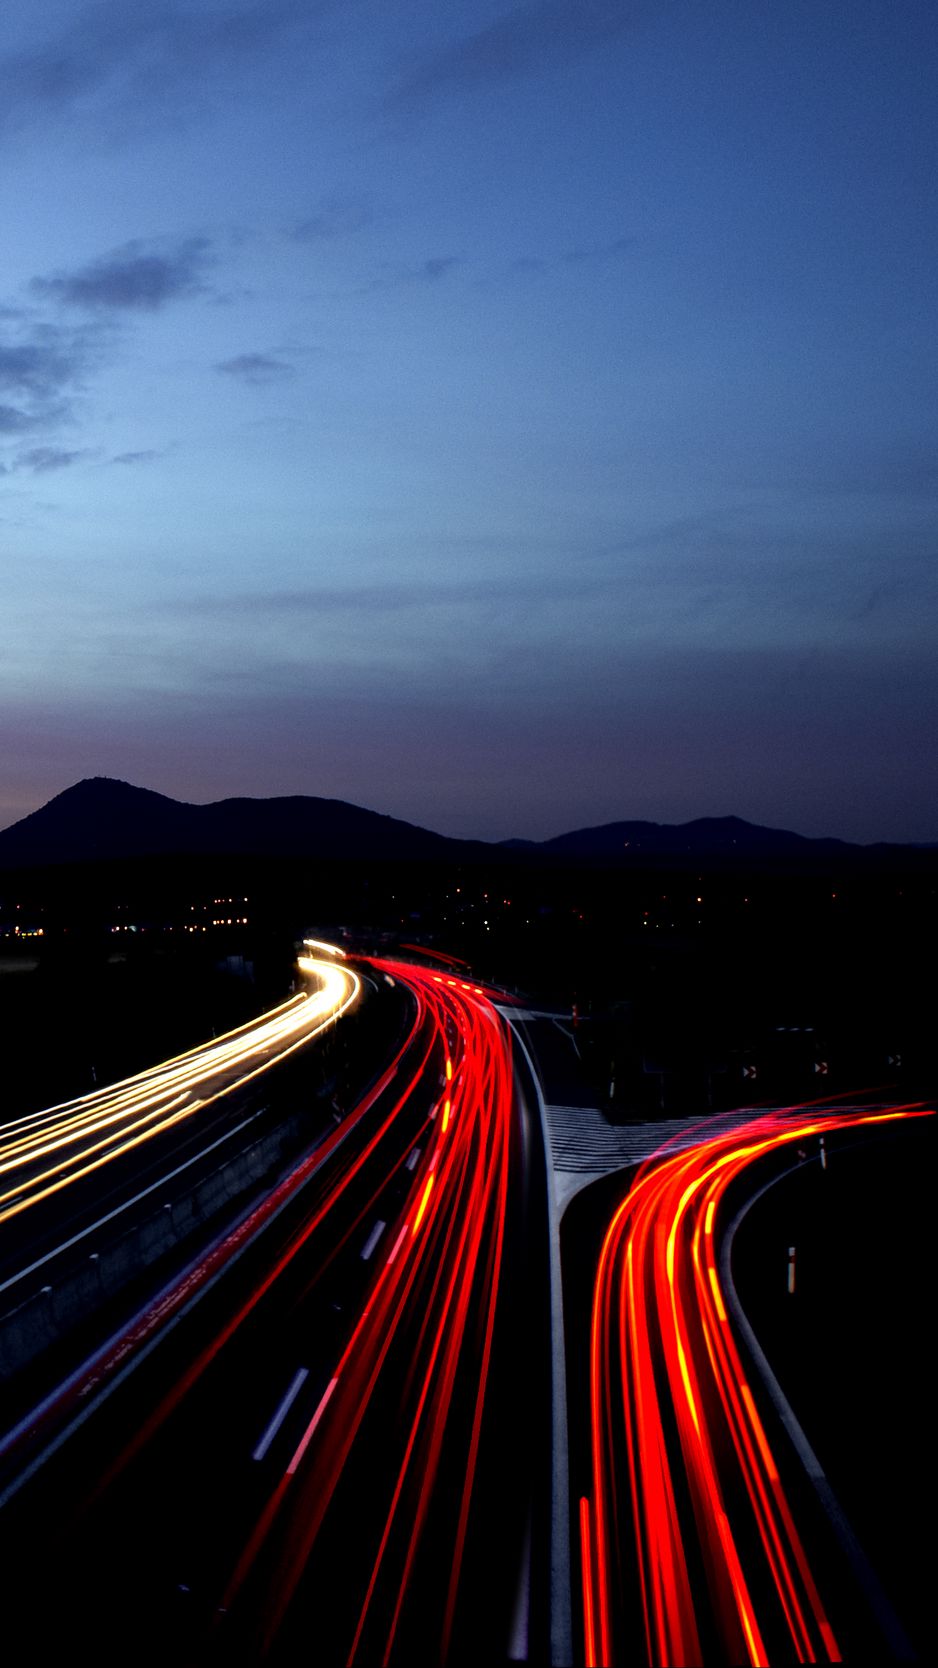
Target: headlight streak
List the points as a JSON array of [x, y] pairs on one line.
[[339, 1162], [662, 1353], [80, 1137]]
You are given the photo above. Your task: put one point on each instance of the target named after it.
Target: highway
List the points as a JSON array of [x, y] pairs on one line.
[[328, 1434], [689, 1538], [313, 1442]]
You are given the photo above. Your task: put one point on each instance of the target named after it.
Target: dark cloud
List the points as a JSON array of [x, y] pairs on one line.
[[35, 368], [132, 278], [146, 456], [258, 368], [40, 365], [127, 52], [526, 40], [43, 459]]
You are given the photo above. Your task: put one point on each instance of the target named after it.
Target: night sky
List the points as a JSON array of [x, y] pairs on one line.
[[509, 417]]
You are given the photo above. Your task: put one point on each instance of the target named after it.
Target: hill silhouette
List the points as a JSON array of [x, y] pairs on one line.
[[103, 819], [705, 836]]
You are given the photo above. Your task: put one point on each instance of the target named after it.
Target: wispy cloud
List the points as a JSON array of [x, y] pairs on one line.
[[592, 254], [15, 421], [428, 271], [42, 460], [257, 368], [46, 356], [598, 252], [133, 53], [437, 267], [335, 217], [41, 364], [133, 278], [148, 455], [526, 40], [399, 597], [36, 368]]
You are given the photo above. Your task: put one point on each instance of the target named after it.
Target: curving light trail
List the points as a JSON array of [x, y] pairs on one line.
[[421, 1345], [46, 1152], [671, 1410]]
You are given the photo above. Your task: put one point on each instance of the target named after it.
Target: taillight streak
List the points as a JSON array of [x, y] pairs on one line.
[[440, 1281], [657, 1297]]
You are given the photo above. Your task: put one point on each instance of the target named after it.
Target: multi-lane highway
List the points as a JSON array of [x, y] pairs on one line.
[[313, 1440], [327, 1435]]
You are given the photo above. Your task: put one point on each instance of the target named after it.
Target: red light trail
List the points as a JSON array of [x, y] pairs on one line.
[[436, 1296], [671, 1409]]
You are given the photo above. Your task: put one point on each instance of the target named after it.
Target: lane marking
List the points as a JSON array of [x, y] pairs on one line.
[[296, 1384], [372, 1240]]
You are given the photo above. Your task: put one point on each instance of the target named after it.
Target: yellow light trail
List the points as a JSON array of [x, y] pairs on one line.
[[47, 1151]]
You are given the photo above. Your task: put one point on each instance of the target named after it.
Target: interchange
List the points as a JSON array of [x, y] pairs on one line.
[[686, 1505]]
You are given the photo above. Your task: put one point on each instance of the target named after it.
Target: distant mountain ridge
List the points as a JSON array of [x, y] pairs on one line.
[[101, 818], [704, 835], [105, 819]]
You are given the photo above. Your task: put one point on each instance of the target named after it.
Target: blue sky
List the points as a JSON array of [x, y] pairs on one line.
[[510, 417]]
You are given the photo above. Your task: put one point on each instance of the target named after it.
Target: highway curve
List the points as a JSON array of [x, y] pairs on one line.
[[687, 1507]]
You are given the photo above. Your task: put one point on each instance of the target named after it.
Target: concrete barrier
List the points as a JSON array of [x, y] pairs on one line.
[[69, 1295]]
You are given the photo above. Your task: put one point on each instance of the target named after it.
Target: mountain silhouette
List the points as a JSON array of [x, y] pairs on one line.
[[104, 819], [705, 836], [100, 818]]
